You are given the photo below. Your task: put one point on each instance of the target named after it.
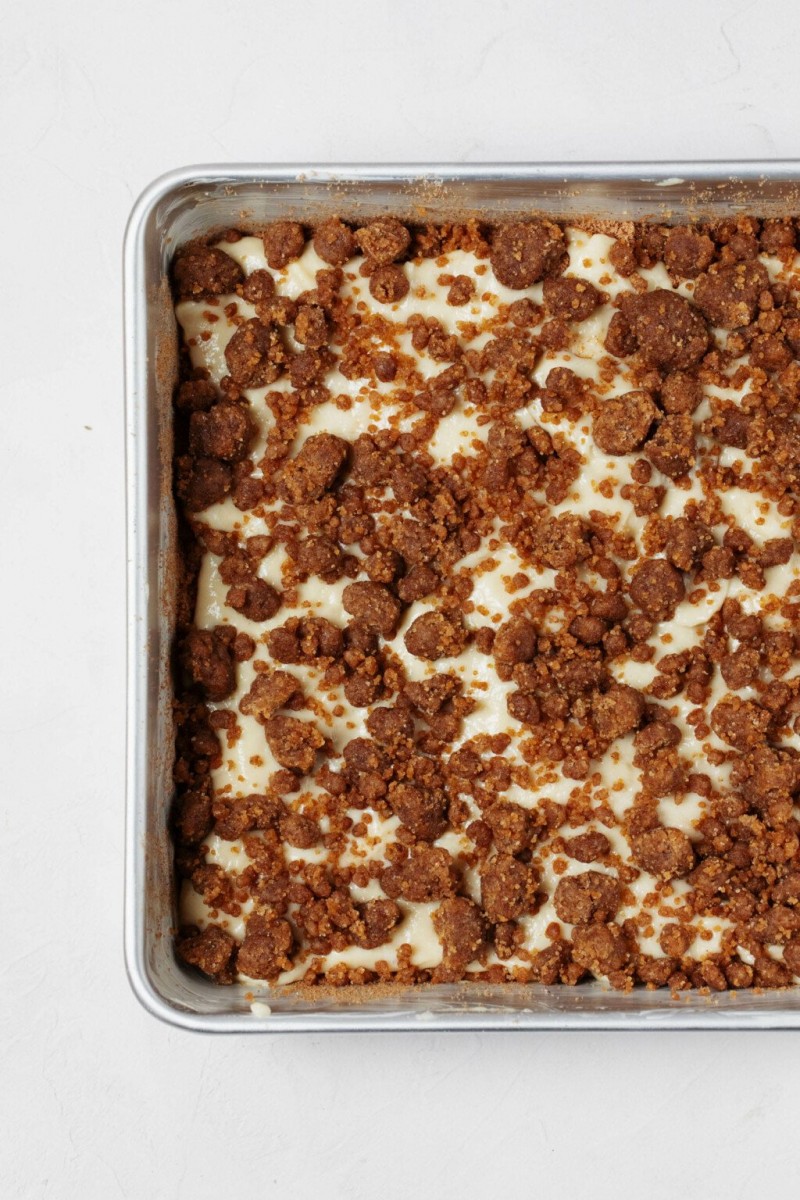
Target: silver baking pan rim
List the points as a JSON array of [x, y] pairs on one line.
[[196, 198]]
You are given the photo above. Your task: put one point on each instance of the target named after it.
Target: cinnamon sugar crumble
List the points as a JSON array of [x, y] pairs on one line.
[[487, 663]]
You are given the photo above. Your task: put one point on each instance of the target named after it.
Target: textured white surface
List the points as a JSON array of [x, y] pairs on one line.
[[98, 1100]]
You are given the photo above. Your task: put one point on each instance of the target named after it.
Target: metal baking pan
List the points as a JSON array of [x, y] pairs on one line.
[[191, 201]]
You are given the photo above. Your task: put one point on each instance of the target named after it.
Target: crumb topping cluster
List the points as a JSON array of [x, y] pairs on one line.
[[487, 663]]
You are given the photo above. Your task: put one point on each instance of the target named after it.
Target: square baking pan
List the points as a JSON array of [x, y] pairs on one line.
[[193, 201]]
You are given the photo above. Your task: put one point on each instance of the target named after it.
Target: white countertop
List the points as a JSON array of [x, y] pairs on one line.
[[97, 1098]]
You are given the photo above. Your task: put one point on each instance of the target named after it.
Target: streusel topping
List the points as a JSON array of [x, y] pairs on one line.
[[488, 654]]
